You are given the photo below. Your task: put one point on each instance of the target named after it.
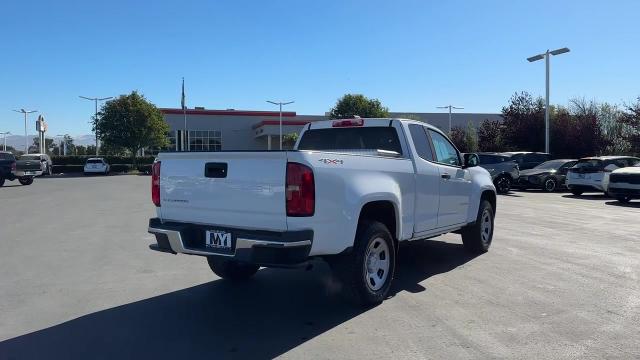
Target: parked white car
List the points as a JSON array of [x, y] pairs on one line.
[[592, 174], [350, 192], [96, 166], [624, 184]]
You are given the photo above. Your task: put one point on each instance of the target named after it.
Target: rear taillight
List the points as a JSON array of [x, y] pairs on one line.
[[13, 166], [155, 183], [300, 190]]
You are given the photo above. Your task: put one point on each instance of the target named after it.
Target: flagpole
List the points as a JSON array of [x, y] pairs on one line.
[[184, 113]]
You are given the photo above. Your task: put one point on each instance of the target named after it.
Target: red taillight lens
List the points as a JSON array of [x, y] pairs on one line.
[[300, 190], [155, 183], [348, 123], [13, 166]]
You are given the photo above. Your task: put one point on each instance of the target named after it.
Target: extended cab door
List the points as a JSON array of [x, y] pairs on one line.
[[427, 181], [455, 182]]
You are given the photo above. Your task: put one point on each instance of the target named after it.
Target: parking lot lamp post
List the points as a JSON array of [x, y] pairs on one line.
[[26, 138], [280, 103], [4, 146], [449, 107], [61, 144], [95, 100], [546, 55]]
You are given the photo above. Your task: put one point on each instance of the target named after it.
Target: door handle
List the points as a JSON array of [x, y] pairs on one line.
[[445, 176]]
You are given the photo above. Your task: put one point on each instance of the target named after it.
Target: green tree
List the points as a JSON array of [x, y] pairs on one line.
[[130, 122], [490, 136], [289, 140], [351, 105], [523, 123], [457, 136], [631, 118], [471, 138]]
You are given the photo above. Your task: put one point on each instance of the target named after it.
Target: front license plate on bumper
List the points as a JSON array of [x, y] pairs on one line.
[[218, 240]]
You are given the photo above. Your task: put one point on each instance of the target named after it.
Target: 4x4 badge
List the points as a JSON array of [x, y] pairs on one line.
[[332, 161]]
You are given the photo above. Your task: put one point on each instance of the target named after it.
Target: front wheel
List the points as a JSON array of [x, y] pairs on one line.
[[368, 270], [26, 181], [231, 269], [503, 184], [477, 238], [550, 185]]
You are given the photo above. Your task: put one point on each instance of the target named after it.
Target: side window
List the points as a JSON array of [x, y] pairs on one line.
[[445, 152], [421, 142]]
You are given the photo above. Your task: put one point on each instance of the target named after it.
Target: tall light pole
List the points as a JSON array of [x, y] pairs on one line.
[[280, 103], [449, 107], [26, 139], [4, 147], [546, 55], [96, 118]]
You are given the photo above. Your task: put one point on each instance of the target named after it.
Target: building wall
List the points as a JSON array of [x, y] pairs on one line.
[[239, 132]]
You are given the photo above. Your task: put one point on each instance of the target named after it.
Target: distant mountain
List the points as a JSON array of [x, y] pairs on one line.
[[17, 141]]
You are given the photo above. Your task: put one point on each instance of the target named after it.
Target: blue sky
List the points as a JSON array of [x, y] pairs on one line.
[[412, 55]]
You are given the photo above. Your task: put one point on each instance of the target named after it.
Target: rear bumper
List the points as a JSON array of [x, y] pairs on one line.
[[23, 173], [586, 188], [626, 191], [267, 248]]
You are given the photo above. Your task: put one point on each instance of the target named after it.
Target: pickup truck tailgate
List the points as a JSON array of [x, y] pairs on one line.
[[234, 189]]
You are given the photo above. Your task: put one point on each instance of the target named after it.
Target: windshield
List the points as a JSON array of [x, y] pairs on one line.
[[588, 164], [94, 161], [551, 165], [30, 157]]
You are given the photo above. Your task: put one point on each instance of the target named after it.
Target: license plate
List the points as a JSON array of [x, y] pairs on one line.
[[217, 239]]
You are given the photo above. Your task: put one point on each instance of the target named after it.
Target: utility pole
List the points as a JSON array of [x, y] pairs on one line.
[[96, 118], [280, 103], [546, 56], [26, 138], [449, 107]]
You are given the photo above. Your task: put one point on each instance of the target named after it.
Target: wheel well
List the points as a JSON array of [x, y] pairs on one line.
[[381, 211], [490, 196]]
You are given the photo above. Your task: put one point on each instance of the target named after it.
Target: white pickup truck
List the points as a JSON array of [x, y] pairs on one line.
[[349, 193]]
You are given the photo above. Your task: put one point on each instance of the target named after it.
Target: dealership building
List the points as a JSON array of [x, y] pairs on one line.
[[215, 130]]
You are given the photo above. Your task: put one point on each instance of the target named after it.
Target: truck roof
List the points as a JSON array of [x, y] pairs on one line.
[[368, 122]]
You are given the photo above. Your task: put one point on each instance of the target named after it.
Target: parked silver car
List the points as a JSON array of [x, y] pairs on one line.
[[504, 171]]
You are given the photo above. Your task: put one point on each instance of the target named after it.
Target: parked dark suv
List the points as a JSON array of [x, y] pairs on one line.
[[528, 160], [504, 171]]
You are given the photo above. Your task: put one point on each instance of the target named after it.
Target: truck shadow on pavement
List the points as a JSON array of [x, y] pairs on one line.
[[273, 313]]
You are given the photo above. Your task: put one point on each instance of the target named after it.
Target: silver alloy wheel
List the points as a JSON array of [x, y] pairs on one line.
[[377, 263], [503, 184], [485, 226], [550, 185]]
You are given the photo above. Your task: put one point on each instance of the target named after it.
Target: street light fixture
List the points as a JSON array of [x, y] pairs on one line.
[[26, 139], [96, 118], [449, 107], [546, 56], [4, 147], [280, 103]]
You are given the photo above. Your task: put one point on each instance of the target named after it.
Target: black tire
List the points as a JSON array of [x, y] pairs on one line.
[[26, 181], [549, 184], [623, 199], [503, 184], [1, 181], [576, 192], [231, 269], [477, 238], [356, 271]]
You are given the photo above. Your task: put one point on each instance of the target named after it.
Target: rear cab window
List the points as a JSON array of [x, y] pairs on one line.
[[351, 138]]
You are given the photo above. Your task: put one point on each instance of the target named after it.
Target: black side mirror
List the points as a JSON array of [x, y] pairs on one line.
[[471, 160]]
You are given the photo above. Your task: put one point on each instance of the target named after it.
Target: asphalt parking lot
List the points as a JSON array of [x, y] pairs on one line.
[[78, 281]]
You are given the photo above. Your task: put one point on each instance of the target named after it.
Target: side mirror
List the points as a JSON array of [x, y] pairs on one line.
[[471, 160]]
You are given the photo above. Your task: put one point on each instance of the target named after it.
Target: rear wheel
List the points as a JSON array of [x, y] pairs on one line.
[[550, 185], [576, 192], [368, 270], [26, 181], [477, 237], [231, 269], [623, 199], [503, 184]]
